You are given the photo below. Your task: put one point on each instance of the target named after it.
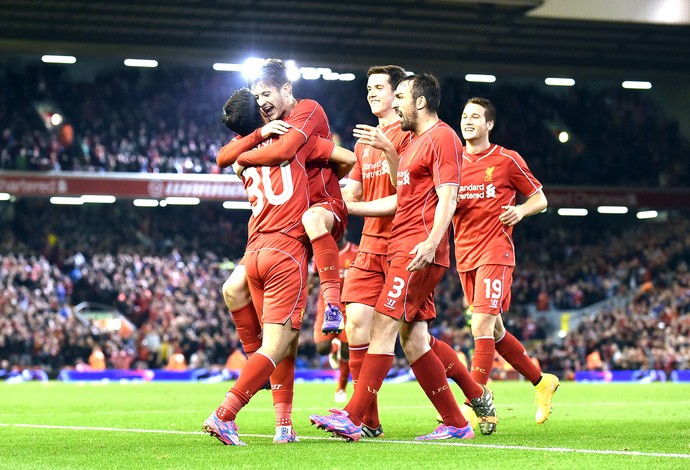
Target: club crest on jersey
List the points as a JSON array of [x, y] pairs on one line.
[[489, 174]]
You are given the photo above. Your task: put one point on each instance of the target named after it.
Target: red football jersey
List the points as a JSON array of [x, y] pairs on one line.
[[430, 160], [489, 180], [279, 195], [372, 171]]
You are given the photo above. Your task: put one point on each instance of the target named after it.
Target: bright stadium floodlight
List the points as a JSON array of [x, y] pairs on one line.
[[58, 59], [145, 63], [563, 137], [98, 198], [66, 201], [647, 215], [480, 78], [56, 119], [293, 73], [251, 69], [309, 73], [145, 203], [226, 67], [572, 212], [331, 76], [612, 210], [237, 205], [636, 85], [346, 77], [555, 81], [5, 196], [182, 201]]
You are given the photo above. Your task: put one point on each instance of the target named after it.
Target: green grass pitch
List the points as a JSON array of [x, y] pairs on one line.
[[157, 425]]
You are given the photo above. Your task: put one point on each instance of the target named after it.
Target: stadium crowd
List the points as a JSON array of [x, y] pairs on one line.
[[167, 120], [167, 280], [164, 268]]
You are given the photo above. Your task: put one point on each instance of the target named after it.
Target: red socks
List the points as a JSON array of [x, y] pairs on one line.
[[514, 353], [431, 376], [327, 262], [283, 389], [483, 359], [455, 369], [374, 370], [357, 353], [254, 375], [248, 328]]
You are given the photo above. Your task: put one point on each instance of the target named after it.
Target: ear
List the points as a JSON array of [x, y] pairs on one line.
[[490, 125], [286, 90], [420, 103]]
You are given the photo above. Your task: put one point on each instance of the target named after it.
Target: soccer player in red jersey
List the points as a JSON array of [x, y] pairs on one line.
[[428, 176], [275, 263], [487, 212], [333, 345], [377, 152], [294, 121]]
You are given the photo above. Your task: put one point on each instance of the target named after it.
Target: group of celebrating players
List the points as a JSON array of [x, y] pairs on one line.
[[410, 178]]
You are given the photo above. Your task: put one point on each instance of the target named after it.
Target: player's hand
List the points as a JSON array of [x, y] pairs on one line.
[[374, 136], [511, 216], [276, 127], [424, 255]]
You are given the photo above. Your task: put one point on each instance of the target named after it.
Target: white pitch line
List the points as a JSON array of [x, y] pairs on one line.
[[373, 441]]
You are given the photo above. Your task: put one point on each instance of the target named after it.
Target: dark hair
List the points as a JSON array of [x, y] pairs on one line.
[[395, 73], [273, 73], [428, 86], [489, 108], [241, 113]]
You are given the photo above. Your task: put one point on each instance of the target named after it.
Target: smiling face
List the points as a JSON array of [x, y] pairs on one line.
[[473, 123], [273, 102], [405, 107], [380, 94]]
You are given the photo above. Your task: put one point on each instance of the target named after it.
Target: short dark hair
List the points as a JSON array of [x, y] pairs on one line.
[[428, 86], [241, 113], [273, 73], [489, 108], [395, 73]]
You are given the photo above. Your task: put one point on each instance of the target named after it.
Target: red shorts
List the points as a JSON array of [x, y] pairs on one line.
[[487, 288], [338, 208], [277, 273], [365, 279], [409, 295], [318, 323]]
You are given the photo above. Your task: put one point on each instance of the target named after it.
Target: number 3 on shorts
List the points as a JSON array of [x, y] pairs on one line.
[[398, 284]]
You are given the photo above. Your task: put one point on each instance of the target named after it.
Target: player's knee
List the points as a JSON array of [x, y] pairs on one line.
[[311, 220], [234, 295], [483, 324], [413, 348]]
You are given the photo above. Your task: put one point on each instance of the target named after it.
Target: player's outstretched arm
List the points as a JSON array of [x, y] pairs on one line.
[[353, 191], [534, 204], [377, 208], [344, 159], [282, 149], [229, 152], [375, 137]]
